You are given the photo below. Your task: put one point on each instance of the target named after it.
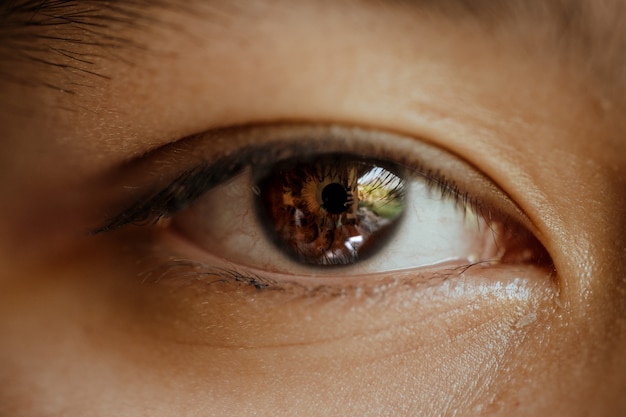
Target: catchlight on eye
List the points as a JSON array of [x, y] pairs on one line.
[[333, 210]]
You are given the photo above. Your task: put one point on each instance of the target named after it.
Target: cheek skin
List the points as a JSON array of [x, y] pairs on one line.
[[144, 343]]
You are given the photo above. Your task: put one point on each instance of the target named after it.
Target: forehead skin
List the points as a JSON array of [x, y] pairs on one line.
[[530, 94]]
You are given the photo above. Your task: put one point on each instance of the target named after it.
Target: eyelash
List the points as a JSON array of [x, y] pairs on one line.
[[194, 182], [187, 272]]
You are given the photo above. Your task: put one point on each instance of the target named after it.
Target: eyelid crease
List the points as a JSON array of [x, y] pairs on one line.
[[215, 156]]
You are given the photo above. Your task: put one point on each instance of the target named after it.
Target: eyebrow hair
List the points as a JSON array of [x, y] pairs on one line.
[[66, 34], [71, 35]]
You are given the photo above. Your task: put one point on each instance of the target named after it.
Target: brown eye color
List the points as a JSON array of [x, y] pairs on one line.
[[332, 210]]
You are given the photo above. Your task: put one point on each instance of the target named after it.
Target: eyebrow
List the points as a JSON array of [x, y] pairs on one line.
[[64, 33]]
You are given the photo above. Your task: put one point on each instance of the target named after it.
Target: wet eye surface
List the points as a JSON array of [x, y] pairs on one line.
[[332, 210]]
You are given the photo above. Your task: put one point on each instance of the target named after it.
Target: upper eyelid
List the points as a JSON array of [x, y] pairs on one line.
[[150, 177]]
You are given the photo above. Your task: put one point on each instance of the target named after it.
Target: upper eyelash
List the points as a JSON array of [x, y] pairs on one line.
[[176, 196], [183, 190], [193, 183]]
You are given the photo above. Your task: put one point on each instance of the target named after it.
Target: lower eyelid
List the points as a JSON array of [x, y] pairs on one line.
[[187, 266], [226, 311]]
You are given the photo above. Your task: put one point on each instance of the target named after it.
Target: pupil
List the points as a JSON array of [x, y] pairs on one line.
[[335, 197]]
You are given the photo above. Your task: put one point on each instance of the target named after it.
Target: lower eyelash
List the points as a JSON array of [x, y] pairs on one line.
[[185, 273]]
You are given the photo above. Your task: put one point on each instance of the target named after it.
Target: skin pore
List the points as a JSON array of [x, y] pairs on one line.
[[101, 99]]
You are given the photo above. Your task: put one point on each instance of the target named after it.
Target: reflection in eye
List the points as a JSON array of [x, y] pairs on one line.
[[332, 211], [298, 200]]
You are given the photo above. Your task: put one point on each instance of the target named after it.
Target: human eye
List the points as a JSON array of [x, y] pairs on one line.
[[310, 204]]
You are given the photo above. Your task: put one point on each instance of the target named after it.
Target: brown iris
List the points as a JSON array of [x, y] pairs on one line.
[[333, 210]]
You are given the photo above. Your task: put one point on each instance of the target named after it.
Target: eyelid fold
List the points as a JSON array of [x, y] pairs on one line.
[[168, 179]]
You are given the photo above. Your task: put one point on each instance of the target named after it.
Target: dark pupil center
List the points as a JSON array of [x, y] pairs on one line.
[[334, 197]]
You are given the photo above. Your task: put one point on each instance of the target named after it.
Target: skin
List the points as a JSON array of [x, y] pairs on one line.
[[82, 333]]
